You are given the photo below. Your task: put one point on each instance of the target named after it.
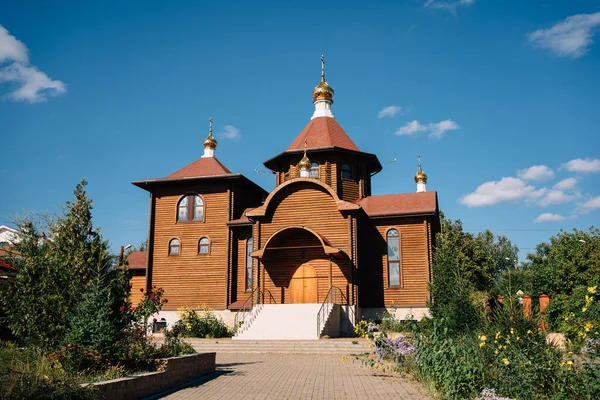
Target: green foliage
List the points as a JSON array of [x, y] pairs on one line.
[[464, 264], [389, 323], [564, 263], [28, 374], [578, 315], [453, 365], [76, 359], [202, 323]]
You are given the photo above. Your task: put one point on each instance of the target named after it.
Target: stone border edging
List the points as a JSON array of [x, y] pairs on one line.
[[178, 371]]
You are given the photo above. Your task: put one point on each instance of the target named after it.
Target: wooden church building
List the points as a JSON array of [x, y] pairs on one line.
[[218, 240]]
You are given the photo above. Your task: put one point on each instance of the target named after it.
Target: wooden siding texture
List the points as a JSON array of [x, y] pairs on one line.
[[192, 279], [414, 262], [311, 206], [137, 282]]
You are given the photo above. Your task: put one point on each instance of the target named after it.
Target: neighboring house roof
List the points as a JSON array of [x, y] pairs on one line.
[[4, 265], [399, 204], [323, 132], [137, 260], [8, 235]]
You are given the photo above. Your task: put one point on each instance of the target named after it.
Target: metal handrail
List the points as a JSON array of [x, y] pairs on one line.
[[335, 295], [248, 305]]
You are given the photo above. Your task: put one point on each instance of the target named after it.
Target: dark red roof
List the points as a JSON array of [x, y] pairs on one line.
[[138, 260], [398, 204], [6, 266], [323, 132], [206, 166]]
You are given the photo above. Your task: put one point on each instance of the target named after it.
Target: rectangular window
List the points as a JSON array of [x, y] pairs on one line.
[[249, 249], [393, 257]]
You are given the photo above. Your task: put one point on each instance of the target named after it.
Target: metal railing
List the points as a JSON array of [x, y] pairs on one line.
[[335, 295], [254, 299]]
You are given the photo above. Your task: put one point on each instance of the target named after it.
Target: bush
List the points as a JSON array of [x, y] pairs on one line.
[[577, 316], [389, 323], [29, 374], [78, 360], [202, 323]]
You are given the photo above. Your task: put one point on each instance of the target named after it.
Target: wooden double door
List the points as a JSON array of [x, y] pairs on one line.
[[303, 285]]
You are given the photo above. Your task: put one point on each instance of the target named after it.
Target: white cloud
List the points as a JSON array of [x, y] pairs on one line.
[[506, 189], [230, 132], [411, 128], [569, 38], [389, 111], [583, 165], [555, 196], [566, 184], [27, 82], [436, 130], [448, 5], [536, 173], [549, 217], [590, 205]]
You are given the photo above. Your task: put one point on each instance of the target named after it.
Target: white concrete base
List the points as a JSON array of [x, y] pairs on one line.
[[283, 322], [401, 313]]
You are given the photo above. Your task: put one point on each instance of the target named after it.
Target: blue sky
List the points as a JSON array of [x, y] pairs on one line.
[[484, 90]]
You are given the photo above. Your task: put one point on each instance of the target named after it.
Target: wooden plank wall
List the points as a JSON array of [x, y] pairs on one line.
[[414, 262], [137, 282], [240, 260], [306, 204], [193, 279]]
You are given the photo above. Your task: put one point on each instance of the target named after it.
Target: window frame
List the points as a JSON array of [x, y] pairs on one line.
[[249, 267], [350, 169], [191, 208], [178, 247], [314, 167], [207, 244], [398, 262]]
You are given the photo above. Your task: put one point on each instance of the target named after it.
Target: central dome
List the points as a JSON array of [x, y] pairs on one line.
[[322, 91]]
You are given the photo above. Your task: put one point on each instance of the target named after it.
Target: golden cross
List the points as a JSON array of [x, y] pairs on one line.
[[210, 126], [322, 67]]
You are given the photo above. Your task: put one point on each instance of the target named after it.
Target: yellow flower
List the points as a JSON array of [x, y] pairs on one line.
[[504, 347], [592, 289], [518, 338], [566, 318], [482, 345], [588, 326], [496, 352], [482, 338], [505, 361], [498, 334], [512, 331], [584, 309], [569, 362], [529, 332], [588, 299]]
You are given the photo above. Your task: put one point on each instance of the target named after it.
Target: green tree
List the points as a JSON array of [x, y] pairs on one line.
[[463, 265], [568, 260]]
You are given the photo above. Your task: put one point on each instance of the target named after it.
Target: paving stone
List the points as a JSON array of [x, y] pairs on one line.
[[300, 376]]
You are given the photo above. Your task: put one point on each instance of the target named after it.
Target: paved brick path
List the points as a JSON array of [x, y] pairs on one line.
[[283, 376]]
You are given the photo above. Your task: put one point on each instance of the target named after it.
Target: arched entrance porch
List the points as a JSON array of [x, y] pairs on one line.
[[298, 265]]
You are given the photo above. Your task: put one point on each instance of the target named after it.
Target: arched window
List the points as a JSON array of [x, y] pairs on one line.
[[346, 171], [204, 246], [174, 247], [249, 249], [190, 208], [393, 257], [314, 170]]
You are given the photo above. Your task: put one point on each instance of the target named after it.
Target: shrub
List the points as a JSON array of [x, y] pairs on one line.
[[577, 316], [202, 323], [389, 323], [76, 359], [28, 374]]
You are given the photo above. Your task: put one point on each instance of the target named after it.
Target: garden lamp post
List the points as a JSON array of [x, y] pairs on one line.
[[122, 253]]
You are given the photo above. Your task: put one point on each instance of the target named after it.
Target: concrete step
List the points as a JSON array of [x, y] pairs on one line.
[[282, 322], [323, 346]]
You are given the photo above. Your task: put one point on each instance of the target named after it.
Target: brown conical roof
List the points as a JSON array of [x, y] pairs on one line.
[[323, 132]]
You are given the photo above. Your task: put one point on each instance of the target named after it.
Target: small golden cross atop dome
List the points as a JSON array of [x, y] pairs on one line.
[[323, 90], [420, 176], [305, 163], [210, 142]]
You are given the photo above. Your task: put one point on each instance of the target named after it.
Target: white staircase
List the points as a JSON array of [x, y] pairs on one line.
[[280, 322]]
